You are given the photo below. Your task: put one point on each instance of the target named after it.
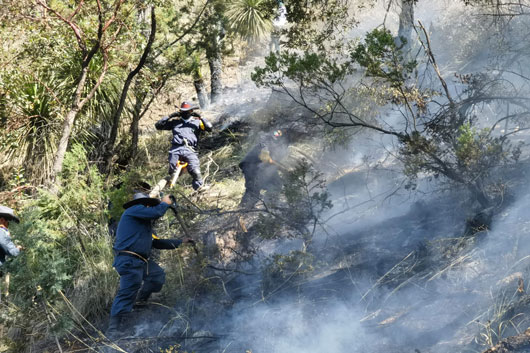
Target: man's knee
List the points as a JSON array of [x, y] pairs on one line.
[[154, 273], [173, 160], [195, 173], [159, 279], [153, 284], [156, 286]]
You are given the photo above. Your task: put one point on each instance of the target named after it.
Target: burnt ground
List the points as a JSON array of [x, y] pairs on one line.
[[420, 280], [514, 344], [377, 253], [408, 277], [414, 281]]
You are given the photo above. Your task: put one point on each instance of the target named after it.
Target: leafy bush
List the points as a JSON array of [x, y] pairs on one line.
[[305, 200], [64, 271], [437, 132]]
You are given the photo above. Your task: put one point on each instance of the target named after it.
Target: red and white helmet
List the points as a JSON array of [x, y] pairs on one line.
[[185, 106]]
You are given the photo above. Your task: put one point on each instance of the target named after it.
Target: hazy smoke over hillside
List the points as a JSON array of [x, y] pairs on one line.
[[400, 276]]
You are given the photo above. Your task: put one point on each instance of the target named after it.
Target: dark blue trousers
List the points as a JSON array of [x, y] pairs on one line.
[[183, 153], [133, 271], [259, 176]]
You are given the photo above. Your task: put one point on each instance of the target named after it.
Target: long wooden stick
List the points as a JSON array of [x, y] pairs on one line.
[[177, 173]]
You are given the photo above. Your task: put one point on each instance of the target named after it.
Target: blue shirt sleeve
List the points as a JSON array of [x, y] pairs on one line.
[[165, 123], [166, 244], [143, 212]]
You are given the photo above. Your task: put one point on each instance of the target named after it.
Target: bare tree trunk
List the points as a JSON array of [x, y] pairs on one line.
[[69, 123], [135, 131], [72, 114], [215, 62], [406, 23], [63, 142], [116, 118], [202, 95], [140, 108], [479, 193]]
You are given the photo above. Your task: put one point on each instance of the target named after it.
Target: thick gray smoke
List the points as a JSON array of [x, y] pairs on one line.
[[399, 276]]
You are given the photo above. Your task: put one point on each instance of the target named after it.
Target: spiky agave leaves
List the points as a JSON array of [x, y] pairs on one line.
[[251, 19], [32, 108], [32, 125]]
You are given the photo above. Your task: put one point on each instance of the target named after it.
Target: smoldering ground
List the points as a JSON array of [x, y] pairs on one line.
[[394, 274], [407, 282], [405, 279]]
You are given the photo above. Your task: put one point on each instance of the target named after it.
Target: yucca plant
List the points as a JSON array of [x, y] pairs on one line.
[[251, 19], [32, 126], [37, 103]]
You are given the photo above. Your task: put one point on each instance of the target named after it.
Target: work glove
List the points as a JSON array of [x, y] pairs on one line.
[[188, 240], [265, 156], [174, 115]]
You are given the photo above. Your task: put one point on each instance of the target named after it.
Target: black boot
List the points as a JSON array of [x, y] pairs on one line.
[[141, 300], [114, 330]]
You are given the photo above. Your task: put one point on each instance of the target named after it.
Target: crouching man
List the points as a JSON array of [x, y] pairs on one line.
[[7, 247], [132, 247]]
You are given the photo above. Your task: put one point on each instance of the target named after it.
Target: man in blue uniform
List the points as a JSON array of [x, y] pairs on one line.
[[132, 247], [260, 167], [185, 140]]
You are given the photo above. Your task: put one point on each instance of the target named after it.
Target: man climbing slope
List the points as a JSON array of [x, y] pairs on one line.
[[185, 140], [132, 247]]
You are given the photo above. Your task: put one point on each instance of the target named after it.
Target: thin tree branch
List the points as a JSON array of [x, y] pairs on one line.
[[76, 11], [185, 33], [429, 52], [98, 82], [114, 15], [77, 31]]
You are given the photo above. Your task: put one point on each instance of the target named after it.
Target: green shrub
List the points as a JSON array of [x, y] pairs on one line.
[[64, 271], [306, 198]]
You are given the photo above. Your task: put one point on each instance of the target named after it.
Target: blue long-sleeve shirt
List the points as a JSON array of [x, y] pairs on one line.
[[184, 129], [135, 229], [7, 247]]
